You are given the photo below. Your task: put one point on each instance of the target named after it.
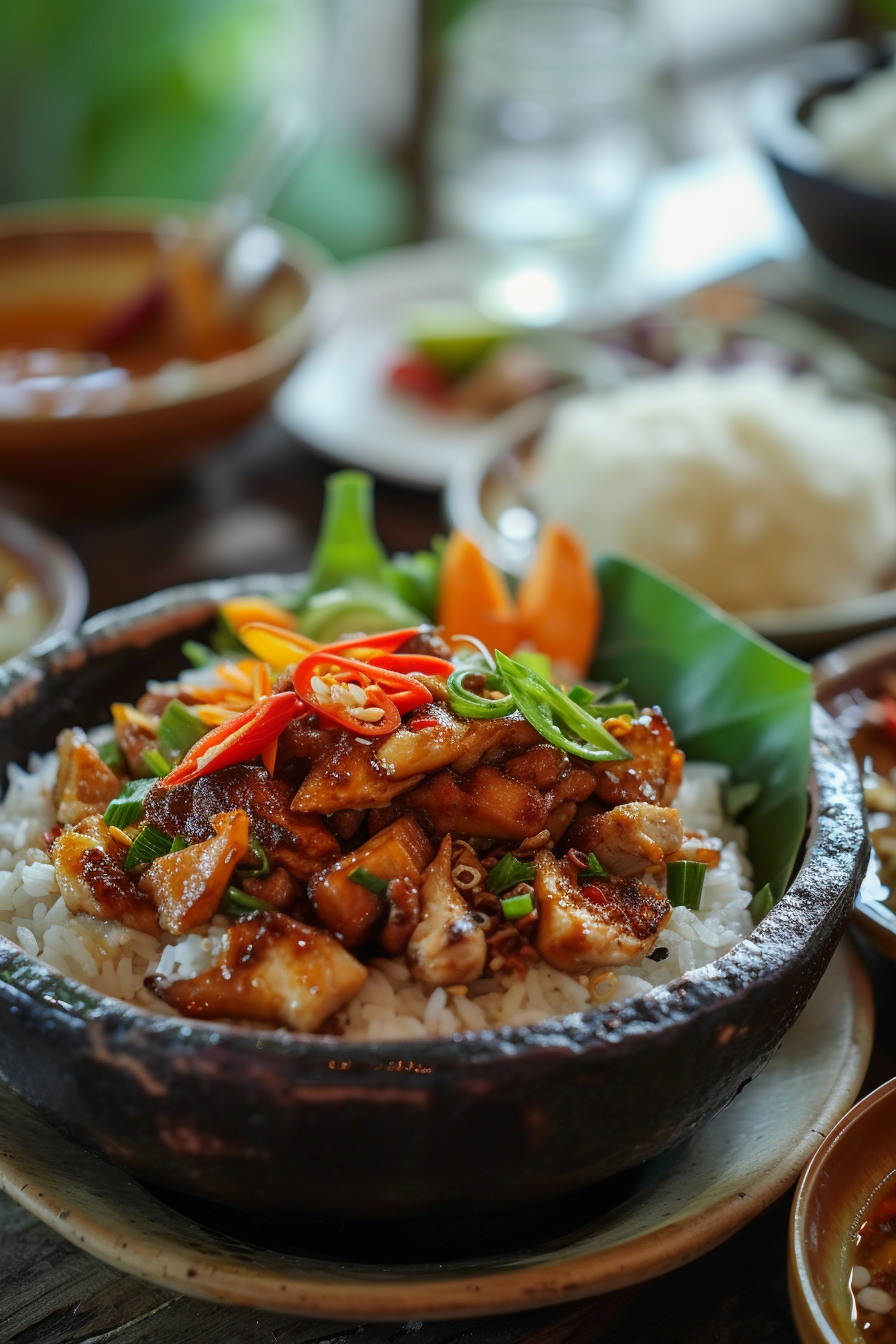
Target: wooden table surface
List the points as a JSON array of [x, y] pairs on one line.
[[255, 507]]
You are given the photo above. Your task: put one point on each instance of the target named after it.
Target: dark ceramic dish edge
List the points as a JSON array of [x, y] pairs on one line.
[[740, 1006]]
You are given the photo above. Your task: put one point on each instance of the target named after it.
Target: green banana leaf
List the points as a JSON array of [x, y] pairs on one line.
[[728, 694]]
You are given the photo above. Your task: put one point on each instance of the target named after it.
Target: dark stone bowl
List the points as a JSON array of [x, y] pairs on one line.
[[851, 225], [276, 1121]]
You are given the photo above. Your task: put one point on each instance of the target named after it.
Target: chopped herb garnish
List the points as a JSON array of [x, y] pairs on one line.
[[150, 844], [761, 903], [508, 873], [560, 720], [684, 883], [614, 710], [738, 797], [198, 655], [110, 754], [179, 729], [260, 865], [153, 759], [516, 907], [180, 842], [237, 902], [595, 869], [128, 806], [365, 878], [538, 662]]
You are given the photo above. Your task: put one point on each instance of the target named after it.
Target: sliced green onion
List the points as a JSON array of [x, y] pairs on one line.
[[198, 655], [559, 720], [761, 903], [150, 844], [128, 806], [595, 869], [180, 842], [110, 754], [179, 729], [738, 797], [154, 761], [237, 902], [604, 697], [508, 873], [473, 706], [684, 883], [261, 865], [365, 878], [515, 907]]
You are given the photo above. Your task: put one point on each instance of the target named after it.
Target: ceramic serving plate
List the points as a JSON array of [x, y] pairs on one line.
[[273, 1120], [633, 1227]]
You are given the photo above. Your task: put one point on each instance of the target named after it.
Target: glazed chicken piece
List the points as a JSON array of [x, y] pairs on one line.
[[280, 889], [85, 786], [352, 775], [653, 775], [629, 839], [448, 946], [89, 866], [187, 887], [606, 923], [349, 776], [302, 845], [485, 801], [349, 909], [270, 969]]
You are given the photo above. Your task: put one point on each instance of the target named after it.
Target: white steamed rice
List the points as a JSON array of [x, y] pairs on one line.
[[390, 1006]]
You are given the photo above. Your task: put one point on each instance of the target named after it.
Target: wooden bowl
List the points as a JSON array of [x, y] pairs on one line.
[[116, 439], [488, 1119], [835, 1189]]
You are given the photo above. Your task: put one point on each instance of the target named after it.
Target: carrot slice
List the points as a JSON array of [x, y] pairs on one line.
[[559, 600], [238, 611], [473, 597]]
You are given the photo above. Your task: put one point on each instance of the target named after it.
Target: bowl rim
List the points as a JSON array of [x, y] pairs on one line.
[[278, 350], [801, 1278], [57, 567], [835, 856]]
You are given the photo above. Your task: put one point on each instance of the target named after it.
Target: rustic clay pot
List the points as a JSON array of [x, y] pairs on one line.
[[276, 1121]]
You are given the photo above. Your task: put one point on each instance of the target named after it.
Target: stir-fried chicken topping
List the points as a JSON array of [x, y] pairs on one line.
[[603, 923], [448, 945], [271, 969], [187, 886], [384, 844], [84, 785], [89, 864], [303, 845], [653, 775]]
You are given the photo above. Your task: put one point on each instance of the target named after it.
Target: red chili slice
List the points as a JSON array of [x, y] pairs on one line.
[[389, 691], [417, 725], [414, 662], [237, 740], [387, 642]]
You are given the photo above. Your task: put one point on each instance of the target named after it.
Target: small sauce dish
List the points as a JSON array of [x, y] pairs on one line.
[[842, 1240]]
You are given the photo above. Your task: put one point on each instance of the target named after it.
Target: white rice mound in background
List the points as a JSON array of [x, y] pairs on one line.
[[391, 1005], [756, 487]]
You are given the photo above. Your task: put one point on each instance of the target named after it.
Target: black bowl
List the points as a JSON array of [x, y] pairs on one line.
[[850, 225], [277, 1121]]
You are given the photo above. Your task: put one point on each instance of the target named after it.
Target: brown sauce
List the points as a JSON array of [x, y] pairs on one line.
[[873, 1277]]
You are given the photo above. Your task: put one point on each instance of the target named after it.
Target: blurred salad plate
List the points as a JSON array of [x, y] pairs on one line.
[[411, 379]]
